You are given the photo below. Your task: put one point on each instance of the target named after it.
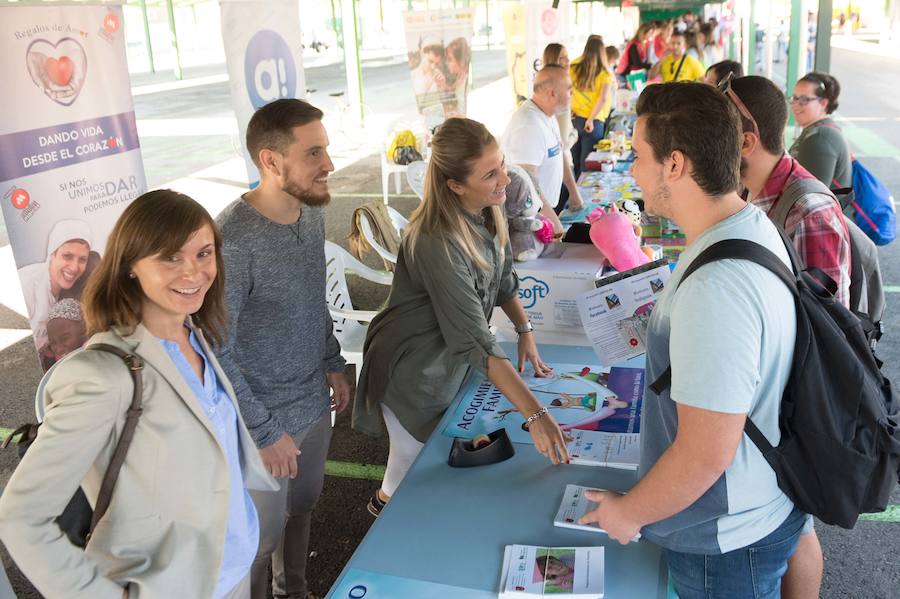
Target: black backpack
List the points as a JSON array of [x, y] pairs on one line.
[[866, 288], [839, 454]]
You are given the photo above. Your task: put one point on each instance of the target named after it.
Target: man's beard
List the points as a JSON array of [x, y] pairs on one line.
[[662, 199], [305, 196]]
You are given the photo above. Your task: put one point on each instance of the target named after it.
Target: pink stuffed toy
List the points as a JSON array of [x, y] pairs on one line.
[[617, 237], [545, 233]]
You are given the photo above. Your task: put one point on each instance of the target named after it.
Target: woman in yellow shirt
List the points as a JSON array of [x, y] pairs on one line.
[[592, 83]]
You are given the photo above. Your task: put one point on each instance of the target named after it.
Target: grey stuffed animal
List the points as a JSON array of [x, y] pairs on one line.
[[523, 205]]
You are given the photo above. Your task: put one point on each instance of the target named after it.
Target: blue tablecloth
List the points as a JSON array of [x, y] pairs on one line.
[[443, 532]]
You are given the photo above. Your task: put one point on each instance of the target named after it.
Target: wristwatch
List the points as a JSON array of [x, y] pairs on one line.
[[525, 327]]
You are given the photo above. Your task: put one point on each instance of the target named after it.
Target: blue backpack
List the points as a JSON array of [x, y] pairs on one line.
[[874, 206]]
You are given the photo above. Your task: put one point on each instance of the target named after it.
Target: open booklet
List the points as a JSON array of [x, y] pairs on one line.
[[573, 506], [615, 314], [572, 572], [609, 450]]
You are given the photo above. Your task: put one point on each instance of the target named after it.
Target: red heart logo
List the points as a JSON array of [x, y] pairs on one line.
[[60, 70]]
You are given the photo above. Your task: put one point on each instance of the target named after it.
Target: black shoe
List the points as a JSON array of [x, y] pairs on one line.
[[375, 504]]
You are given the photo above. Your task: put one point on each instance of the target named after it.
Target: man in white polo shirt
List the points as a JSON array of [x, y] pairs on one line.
[[532, 140]]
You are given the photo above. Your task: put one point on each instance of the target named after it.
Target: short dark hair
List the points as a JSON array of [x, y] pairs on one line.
[[723, 68], [827, 87], [768, 106], [680, 34], [270, 126], [702, 123]]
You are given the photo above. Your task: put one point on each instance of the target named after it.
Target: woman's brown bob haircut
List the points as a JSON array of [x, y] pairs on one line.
[[157, 223]]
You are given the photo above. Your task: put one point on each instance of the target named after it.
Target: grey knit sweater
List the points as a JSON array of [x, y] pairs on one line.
[[280, 342]]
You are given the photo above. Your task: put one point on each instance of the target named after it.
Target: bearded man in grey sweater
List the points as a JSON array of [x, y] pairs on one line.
[[281, 354]]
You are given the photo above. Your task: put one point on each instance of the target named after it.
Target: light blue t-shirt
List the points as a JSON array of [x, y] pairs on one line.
[[242, 528], [729, 335]]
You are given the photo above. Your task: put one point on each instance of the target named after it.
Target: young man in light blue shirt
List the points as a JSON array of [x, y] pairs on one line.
[[707, 495]]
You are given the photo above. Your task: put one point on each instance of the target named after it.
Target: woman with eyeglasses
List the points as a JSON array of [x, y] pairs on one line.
[[821, 147]]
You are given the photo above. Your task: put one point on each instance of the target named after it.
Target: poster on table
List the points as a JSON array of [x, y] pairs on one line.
[[264, 57], [439, 46], [579, 396], [70, 161]]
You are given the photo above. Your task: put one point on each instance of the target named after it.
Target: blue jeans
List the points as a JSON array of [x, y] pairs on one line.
[[752, 572], [585, 143]]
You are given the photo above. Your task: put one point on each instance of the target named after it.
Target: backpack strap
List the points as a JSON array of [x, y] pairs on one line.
[[135, 365], [742, 249], [680, 64], [792, 194]]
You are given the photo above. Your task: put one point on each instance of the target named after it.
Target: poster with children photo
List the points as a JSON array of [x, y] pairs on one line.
[[439, 50], [52, 289]]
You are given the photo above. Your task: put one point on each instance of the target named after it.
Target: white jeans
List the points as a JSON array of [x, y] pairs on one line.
[[403, 451]]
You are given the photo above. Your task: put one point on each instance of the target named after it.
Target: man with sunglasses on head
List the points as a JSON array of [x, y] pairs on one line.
[[676, 64], [814, 223], [816, 228], [727, 334]]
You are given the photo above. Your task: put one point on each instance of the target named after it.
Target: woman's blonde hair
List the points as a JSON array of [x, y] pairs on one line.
[[590, 64], [157, 223], [456, 145]]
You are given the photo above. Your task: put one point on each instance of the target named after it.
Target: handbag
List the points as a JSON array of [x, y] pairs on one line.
[[78, 520]]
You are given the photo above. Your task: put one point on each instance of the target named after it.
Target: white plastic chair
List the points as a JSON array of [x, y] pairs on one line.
[[400, 223], [415, 176], [389, 167], [350, 325]]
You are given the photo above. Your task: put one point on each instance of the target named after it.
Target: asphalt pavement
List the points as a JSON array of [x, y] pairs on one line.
[[863, 562]]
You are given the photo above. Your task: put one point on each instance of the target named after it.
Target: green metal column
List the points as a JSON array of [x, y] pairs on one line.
[[338, 35], [823, 37], [352, 64], [487, 20], [147, 41], [796, 51], [750, 67], [171, 10]]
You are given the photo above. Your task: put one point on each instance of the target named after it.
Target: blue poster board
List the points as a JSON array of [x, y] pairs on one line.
[[579, 396]]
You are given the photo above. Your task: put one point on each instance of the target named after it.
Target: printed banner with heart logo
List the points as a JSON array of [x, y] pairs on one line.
[[70, 158]]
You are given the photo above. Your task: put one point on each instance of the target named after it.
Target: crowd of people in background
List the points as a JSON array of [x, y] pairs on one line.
[[243, 370]]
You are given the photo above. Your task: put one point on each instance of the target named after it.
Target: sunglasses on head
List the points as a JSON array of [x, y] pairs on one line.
[[725, 87]]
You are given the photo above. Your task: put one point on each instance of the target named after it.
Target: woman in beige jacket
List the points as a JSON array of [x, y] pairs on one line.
[[180, 522]]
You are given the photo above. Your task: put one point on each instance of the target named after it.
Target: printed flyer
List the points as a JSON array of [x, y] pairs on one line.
[[585, 397], [70, 160]]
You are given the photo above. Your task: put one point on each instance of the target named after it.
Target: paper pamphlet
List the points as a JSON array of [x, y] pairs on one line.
[[573, 506], [611, 450], [572, 572], [616, 314], [579, 396]]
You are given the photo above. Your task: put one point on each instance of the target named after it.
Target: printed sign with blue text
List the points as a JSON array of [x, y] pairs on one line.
[[263, 53]]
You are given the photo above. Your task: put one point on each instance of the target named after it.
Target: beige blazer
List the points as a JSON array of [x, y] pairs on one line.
[[164, 532]]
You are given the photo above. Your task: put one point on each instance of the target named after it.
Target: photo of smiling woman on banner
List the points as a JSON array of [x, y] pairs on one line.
[[60, 276]]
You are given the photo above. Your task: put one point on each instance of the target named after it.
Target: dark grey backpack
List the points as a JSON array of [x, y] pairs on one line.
[[866, 289]]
